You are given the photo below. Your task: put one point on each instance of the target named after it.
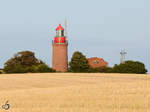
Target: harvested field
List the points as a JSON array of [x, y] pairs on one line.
[[70, 92]]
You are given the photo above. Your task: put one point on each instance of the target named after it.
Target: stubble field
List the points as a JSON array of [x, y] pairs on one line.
[[69, 92]]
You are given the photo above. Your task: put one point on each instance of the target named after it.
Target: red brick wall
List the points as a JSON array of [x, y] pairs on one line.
[[97, 62], [60, 57]]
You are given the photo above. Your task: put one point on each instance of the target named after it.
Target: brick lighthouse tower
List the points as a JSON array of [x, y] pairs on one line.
[[60, 51]]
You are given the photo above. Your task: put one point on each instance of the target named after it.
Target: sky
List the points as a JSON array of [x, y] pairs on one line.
[[97, 28]]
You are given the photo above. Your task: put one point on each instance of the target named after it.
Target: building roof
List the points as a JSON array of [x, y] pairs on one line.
[[97, 62], [59, 27], [95, 58]]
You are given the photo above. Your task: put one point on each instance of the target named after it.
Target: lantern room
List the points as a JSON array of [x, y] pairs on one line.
[[60, 37]]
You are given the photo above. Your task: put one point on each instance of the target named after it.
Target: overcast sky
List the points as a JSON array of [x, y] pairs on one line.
[[98, 28]]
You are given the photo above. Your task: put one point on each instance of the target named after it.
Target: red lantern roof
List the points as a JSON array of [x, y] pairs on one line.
[[59, 27]]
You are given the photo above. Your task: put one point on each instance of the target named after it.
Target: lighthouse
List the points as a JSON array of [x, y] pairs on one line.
[[60, 51]]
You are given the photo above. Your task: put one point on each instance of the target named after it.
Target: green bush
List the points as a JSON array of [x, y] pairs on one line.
[[32, 69], [43, 68], [93, 70], [15, 69], [130, 67], [109, 70], [102, 69]]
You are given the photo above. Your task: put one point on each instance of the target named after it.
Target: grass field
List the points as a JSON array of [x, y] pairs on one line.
[[68, 92]]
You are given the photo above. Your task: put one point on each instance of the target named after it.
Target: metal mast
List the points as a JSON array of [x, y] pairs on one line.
[[122, 57], [66, 33]]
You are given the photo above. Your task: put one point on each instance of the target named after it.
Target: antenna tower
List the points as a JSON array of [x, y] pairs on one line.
[[122, 58], [66, 33]]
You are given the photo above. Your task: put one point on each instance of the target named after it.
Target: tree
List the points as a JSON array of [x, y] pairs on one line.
[[79, 63], [24, 62], [130, 67], [26, 58], [20, 62]]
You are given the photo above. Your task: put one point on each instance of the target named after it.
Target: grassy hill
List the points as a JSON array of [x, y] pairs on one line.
[[69, 92]]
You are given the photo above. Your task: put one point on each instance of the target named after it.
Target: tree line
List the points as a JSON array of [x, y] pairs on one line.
[[26, 62], [79, 63]]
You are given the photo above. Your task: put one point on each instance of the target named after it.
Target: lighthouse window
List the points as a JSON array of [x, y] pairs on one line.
[[62, 33], [57, 33]]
